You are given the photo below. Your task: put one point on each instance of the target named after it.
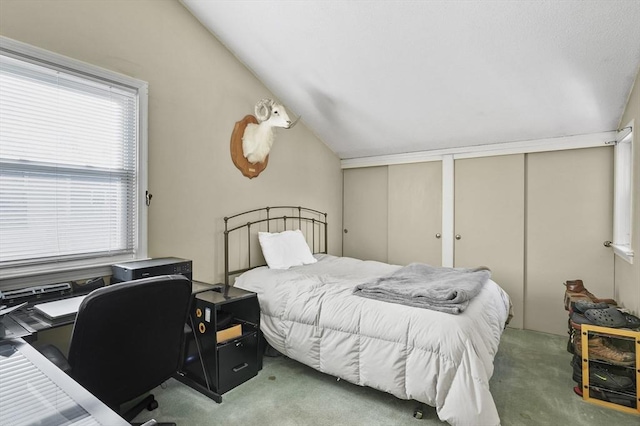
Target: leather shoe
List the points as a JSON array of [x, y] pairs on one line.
[[601, 350], [577, 287]]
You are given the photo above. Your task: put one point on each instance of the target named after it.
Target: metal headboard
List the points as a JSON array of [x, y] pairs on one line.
[[272, 219]]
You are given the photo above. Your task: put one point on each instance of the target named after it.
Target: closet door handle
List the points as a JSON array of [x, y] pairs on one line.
[[438, 235], [458, 236]]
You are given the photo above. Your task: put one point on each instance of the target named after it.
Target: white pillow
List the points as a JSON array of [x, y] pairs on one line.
[[285, 249]]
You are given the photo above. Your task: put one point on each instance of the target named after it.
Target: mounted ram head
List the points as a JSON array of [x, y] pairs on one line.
[[258, 138]]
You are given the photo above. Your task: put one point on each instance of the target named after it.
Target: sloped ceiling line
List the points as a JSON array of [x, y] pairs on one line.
[[374, 78]]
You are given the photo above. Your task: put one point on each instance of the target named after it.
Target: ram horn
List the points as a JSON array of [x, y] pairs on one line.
[[263, 109]]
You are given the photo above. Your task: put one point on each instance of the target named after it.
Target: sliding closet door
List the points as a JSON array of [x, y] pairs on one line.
[[365, 213], [415, 213], [569, 216], [489, 221]]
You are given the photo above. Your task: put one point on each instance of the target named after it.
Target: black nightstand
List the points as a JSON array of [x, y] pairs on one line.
[[221, 348]]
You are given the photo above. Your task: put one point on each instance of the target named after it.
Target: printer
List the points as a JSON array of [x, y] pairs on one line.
[[137, 269]]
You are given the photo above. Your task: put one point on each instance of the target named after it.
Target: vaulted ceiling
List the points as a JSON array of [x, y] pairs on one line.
[[385, 77]]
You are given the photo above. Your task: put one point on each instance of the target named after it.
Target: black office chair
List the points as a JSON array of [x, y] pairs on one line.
[[127, 339]]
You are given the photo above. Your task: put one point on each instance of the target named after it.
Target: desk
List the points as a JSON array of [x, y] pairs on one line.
[[28, 380], [34, 322], [12, 329], [35, 391], [26, 322]]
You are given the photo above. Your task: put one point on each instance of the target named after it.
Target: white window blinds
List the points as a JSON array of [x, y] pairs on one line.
[[68, 166]]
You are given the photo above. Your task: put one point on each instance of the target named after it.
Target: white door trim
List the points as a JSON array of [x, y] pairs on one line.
[[447, 210], [522, 147]]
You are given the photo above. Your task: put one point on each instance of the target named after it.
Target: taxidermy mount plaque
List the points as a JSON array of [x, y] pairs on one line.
[[237, 155]]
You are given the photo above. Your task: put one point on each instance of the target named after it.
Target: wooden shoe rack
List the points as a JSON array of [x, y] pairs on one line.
[[625, 338]]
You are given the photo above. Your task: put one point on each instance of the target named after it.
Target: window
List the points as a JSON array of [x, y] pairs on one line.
[[623, 181], [72, 157]]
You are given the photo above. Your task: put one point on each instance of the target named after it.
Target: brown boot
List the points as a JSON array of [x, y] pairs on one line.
[[577, 287], [600, 349], [577, 344]]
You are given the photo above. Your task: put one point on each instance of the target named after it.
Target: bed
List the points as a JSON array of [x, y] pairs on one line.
[[310, 313]]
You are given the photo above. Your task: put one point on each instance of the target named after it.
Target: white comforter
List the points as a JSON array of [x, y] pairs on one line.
[[310, 314]]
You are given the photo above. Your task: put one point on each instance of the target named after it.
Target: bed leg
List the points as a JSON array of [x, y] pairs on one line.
[[419, 411]]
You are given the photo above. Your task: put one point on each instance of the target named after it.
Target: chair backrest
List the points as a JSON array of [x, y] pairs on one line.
[[127, 338]]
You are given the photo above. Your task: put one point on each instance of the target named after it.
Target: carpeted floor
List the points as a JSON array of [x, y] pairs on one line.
[[531, 385]]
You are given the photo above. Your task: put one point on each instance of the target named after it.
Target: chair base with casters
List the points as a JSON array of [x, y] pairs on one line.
[[149, 402], [53, 354]]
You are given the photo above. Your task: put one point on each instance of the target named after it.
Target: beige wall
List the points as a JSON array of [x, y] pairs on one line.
[[627, 276], [197, 91]]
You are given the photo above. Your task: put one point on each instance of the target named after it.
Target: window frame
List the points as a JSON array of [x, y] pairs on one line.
[[623, 193], [61, 271]]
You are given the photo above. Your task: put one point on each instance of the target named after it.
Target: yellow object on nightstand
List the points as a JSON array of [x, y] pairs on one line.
[[229, 333]]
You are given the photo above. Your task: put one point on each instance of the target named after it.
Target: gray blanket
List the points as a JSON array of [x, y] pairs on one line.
[[441, 289]]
